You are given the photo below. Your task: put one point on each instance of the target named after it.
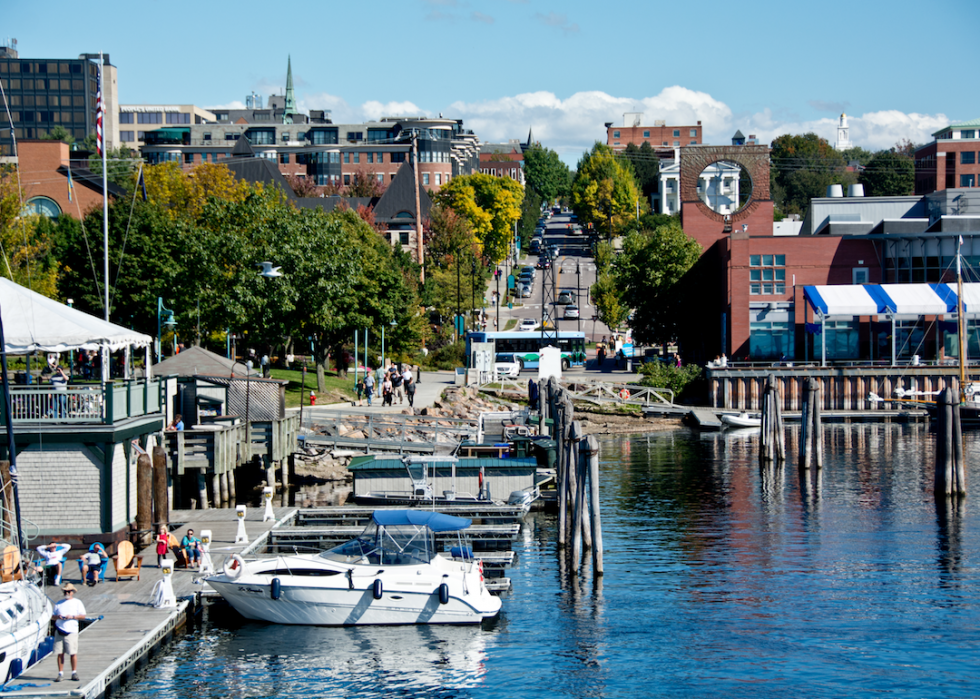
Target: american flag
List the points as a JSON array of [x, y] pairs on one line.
[[99, 143]]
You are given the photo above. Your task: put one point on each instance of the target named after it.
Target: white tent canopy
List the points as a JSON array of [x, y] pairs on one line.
[[35, 323]]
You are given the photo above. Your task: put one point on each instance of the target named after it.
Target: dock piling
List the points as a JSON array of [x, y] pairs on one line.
[[950, 478]]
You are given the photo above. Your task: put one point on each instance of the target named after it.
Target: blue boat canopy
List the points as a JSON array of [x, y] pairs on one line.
[[436, 521]]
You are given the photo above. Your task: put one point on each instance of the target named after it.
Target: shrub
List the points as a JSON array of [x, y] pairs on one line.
[[448, 357], [686, 381]]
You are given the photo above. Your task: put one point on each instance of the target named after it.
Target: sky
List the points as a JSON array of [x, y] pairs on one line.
[[899, 69]]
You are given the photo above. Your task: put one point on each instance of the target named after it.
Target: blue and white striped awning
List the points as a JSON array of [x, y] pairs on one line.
[[891, 299]]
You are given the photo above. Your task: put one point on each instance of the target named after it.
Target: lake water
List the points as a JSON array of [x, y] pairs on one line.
[[721, 578]]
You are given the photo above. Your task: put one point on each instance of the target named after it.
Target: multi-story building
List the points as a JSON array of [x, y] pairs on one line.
[[503, 160], [136, 120], [330, 153], [659, 136], [951, 161], [43, 93]]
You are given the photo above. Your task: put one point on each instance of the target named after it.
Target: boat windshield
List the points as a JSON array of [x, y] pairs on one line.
[[387, 545]]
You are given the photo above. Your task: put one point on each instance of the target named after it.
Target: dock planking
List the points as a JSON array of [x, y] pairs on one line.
[[111, 649]]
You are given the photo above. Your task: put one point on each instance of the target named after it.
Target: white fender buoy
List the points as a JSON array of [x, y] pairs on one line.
[[378, 588], [234, 565]]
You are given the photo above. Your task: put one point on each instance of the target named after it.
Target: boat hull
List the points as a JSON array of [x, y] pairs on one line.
[[21, 639], [741, 421], [404, 594]]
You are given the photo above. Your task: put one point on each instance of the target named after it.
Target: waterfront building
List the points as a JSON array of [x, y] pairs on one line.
[[43, 93], [136, 120], [951, 161]]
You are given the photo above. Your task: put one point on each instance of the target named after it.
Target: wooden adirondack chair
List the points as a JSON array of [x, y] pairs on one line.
[[127, 565], [10, 565]]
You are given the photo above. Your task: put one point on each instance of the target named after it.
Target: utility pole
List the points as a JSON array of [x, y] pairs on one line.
[[456, 323]]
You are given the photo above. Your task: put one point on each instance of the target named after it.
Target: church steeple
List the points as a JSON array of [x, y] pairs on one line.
[[290, 106]]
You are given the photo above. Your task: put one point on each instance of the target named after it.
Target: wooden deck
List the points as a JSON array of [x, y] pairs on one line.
[[130, 629]]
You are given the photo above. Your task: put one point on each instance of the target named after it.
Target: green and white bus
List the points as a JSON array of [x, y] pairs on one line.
[[526, 345]]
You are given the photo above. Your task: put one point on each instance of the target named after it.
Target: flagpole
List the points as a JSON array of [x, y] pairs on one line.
[[100, 137]]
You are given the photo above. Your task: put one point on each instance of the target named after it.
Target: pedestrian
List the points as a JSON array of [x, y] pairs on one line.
[[66, 614], [397, 384], [163, 545], [369, 387], [177, 425], [359, 387], [409, 383], [678, 355], [386, 390]]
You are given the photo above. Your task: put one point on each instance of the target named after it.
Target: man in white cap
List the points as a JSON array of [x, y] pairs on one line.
[[67, 613]]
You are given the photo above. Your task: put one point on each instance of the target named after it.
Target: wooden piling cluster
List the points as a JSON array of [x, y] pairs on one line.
[[773, 441], [579, 519], [811, 432], [950, 478]]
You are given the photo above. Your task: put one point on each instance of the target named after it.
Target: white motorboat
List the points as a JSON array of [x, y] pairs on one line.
[[393, 573], [742, 420], [25, 615]]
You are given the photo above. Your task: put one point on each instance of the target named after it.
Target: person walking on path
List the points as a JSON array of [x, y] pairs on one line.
[[369, 387], [386, 390], [397, 383], [409, 382], [66, 614]]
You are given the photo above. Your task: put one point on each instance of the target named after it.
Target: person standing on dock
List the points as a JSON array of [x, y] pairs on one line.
[[369, 387], [67, 613]]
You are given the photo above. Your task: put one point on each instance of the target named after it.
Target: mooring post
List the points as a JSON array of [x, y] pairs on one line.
[[576, 434], [949, 479], [765, 441], [144, 497], [959, 466], [780, 430], [589, 450], [202, 490], [161, 497], [806, 426], [817, 394], [576, 500]]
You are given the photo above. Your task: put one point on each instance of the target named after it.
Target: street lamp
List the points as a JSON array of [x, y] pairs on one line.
[[169, 320]]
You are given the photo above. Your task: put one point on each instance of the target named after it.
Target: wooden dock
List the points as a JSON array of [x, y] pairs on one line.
[[129, 629]]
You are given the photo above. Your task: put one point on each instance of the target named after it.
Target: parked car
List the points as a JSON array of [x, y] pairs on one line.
[[565, 298], [506, 364], [530, 270], [528, 324], [571, 312], [526, 291], [535, 246], [526, 278]]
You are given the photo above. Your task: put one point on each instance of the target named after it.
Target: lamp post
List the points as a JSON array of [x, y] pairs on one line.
[[578, 292], [169, 320]]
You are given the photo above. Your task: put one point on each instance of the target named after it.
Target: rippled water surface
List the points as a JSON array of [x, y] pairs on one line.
[[720, 577]]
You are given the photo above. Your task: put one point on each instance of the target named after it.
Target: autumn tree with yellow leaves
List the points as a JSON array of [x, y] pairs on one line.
[[491, 205]]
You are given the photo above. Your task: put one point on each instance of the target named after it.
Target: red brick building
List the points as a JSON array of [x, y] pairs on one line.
[[951, 161], [660, 136], [43, 167]]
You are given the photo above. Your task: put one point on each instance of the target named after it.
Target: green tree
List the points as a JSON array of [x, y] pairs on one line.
[[606, 294], [604, 192], [857, 153], [802, 168], [27, 241], [491, 205], [648, 271], [646, 166], [59, 133], [452, 254], [888, 174], [546, 174]]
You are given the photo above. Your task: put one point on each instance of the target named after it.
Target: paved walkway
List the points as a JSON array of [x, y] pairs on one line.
[[427, 392]]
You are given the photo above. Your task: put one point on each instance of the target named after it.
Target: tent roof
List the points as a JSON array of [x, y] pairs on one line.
[[35, 323], [897, 299]]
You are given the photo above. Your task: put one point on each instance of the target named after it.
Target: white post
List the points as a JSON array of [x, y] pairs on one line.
[[269, 515], [207, 565], [162, 596], [241, 537]]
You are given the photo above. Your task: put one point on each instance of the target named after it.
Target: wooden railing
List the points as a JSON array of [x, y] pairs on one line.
[[83, 403]]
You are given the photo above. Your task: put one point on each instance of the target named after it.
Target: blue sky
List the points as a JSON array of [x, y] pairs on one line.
[[899, 69]]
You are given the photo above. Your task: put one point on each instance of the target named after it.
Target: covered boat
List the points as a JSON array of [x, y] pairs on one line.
[[392, 573], [742, 420]]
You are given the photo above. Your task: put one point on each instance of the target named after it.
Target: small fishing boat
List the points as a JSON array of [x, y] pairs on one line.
[[742, 420], [394, 572]]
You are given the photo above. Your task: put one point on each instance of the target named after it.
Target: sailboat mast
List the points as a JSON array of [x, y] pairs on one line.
[[960, 320], [100, 139]]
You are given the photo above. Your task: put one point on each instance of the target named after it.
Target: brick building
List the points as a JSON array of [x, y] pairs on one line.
[[503, 160], [951, 161], [44, 167], [660, 136]]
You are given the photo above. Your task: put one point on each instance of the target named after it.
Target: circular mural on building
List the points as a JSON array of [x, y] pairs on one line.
[[725, 186]]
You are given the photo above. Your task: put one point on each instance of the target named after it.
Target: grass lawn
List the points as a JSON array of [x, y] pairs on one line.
[[510, 324], [338, 388]]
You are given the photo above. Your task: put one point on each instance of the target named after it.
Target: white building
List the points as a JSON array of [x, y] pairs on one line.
[[718, 186], [843, 140]]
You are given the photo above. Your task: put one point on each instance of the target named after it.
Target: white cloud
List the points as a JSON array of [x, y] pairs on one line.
[[872, 130], [343, 113]]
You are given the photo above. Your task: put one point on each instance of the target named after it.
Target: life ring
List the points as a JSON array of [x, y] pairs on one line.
[[624, 393], [234, 565]]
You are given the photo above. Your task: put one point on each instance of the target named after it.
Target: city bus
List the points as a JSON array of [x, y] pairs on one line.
[[526, 345]]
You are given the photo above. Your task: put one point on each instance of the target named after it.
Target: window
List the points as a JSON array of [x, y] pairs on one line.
[[665, 143], [346, 179], [403, 237], [841, 340], [694, 133], [141, 135], [347, 158], [370, 157], [381, 158], [694, 143], [646, 134], [285, 136], [676, 143], [615, 134], [149, 118], [125, 117], [229, 136], [438, 178], [425, 178], [284, 158], [357, 157], [969, 133], [355, 135], [767, 275], [859, 275], [44, 207], [380, 177], [396, 158], [188, 158], [206, 136], [967, 157], [178, 118], [677, 133], [968, 180], [125, 135]]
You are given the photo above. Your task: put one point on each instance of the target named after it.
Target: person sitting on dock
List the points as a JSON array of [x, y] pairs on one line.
[[54, 556], [177, 425], [95, 559], [191, 546], [66, 614]]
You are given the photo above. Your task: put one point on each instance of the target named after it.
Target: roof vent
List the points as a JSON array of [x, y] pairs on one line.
[[855, 190], [835, 191]]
